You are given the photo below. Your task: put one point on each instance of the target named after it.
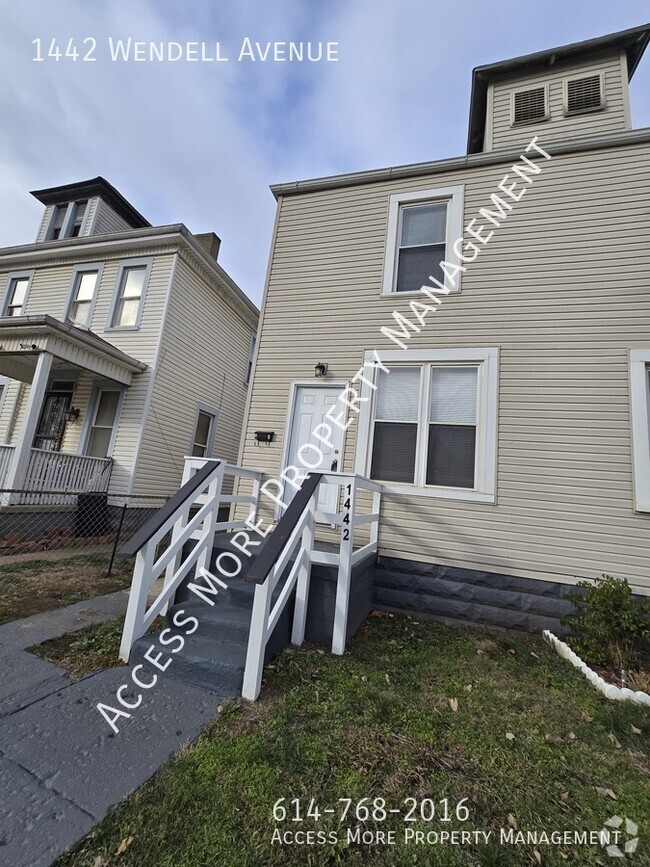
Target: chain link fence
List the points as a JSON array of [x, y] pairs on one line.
[[33, 522]]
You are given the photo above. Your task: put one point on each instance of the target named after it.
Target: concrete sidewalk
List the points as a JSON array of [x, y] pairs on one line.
[[61, 766]]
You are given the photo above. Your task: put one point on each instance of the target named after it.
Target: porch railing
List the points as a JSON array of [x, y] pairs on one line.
[[191, 514], [6, 454], [59, 471]]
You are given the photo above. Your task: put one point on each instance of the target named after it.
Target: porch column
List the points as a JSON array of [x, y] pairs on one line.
[[20, 461]]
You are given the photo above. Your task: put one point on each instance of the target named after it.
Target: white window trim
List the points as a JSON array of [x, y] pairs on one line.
[[522, 123], [97, 387], [211, 411], [640, 417], [454, 197], [486, 423], [80, 269], [565, 95], [17, 275], [147, 262]]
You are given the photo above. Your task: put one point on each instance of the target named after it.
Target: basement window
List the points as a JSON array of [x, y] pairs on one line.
[[529, 106], [584, 94]]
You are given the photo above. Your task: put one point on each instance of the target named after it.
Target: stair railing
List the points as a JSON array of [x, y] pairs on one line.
[[295, 530], [159, 546], [295, 533]]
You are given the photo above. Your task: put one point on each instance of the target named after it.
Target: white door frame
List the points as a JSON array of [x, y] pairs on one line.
[[294, 385]]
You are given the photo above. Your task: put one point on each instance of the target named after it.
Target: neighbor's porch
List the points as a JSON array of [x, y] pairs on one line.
[[64, 391]]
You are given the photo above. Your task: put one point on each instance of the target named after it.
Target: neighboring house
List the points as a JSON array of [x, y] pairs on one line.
[[511, 435], [123, 348]]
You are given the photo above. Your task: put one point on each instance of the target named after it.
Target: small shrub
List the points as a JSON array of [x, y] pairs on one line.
[[611, 628]]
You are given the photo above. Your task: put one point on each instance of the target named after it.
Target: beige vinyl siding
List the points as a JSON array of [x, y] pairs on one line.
[[203, 359], [48, 294], [45, 222], [561, 289], [611, 119], [107, 221]]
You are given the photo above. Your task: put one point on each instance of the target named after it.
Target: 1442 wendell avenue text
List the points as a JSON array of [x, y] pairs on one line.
[[130, 50]]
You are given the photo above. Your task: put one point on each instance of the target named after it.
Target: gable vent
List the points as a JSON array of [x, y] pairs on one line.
[[530, 105], [583, 94]]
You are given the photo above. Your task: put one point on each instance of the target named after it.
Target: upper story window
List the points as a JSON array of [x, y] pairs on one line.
[[132, 281], [584, 94], [422, 229], [77, 218], [16, 293], [67, 220], [640, 402], [430, 425], [85, 281], [530, 105]]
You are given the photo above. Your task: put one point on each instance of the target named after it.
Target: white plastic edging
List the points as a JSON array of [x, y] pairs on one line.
[[609, 690]]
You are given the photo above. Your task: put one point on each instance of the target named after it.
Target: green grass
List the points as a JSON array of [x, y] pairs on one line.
[[378, 722], [87, 650], [31, 586]]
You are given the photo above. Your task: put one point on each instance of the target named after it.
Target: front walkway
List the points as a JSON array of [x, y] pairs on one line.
[[61, 766]]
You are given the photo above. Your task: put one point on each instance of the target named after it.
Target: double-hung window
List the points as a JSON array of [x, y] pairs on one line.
[[103, 415], [640, 405], [204, 430], [423, 227], [16, 293], [130, 291], [85, 281], [429, 424]]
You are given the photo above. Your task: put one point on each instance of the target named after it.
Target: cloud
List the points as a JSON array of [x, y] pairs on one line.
[[200, 143]]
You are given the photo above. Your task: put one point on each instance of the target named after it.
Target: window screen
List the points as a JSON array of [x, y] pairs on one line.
[[396, 425], [530, 105], [422, 244], [583, 94], [452, 427]]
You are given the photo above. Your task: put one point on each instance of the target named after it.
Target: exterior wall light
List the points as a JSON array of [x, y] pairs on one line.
[[320, 370], [72, 415]]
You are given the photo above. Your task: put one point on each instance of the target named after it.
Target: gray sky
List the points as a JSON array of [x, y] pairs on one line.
[[199, 143]]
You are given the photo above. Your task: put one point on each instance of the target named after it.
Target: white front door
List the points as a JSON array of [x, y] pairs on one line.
[[310, 405]]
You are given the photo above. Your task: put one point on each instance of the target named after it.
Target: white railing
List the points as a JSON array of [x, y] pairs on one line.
[[191, 514], [58, 471], [6, 454], [265, 615]]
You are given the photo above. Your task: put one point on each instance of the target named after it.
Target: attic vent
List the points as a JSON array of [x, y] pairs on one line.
[[530, 105], [583, 94]]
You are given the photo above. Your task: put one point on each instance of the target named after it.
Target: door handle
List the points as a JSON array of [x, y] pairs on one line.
[[335, 465]]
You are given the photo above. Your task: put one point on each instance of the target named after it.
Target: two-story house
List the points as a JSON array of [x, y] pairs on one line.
[[123, 348], [508, 421]]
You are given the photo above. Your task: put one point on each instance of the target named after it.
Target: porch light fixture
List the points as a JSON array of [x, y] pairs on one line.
[[72, 415], [320, 370]]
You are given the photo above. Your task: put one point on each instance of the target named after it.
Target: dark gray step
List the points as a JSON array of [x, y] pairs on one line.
[[217, 666], [220, 621]]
